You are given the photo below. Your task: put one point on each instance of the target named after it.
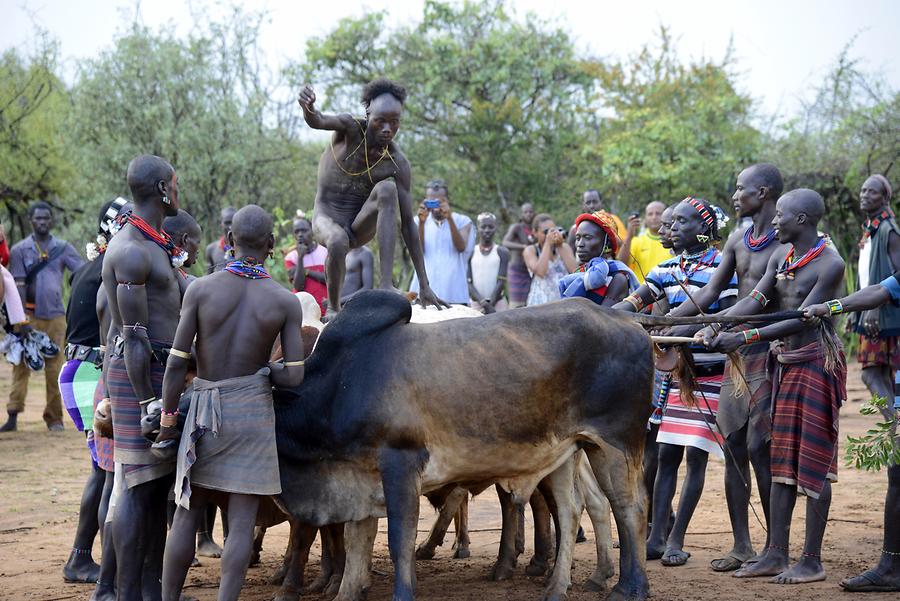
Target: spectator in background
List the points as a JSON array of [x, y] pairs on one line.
[[4, 248], [517, 239], [487, 268], [447, 241], [642, 252], [591, 202], [310, 276], [217, 252], [360, 264], [879, 257], [548, 260], [37, 264]]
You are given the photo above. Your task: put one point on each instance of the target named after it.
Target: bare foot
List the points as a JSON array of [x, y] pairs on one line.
[[329, 315], [808, 569], [81, 568], [772, 564], [675, 557], [655, 550]]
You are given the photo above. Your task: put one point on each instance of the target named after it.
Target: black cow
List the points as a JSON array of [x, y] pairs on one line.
[[377, 422]]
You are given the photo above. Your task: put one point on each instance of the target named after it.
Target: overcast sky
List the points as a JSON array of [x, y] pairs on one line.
[[783, 47]]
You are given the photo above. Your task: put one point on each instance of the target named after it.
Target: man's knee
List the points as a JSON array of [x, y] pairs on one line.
[[386, 192], [338, 243], [669, 455]]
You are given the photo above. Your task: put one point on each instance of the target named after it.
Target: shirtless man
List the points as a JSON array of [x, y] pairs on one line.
[[810, 389], [744, 419], [360, 265], [363, 182], [216, 251], [517, 239], [141, 285], [228, 448]]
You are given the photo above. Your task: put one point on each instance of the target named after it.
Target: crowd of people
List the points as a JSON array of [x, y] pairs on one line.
[[155, 336]]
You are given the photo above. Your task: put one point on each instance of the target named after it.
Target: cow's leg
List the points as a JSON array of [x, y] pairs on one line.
[[442, 523], [400, 469], [544, 545], [359, 538], [461, 523], [562, 484], [598, 511], [619, 476], [295, 558], [520, 528], [337, 557], [259, 534], [506, 555]]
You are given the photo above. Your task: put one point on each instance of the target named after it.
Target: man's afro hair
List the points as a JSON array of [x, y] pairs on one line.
[[377, 87]]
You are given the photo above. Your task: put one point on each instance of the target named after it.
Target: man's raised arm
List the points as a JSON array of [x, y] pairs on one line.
[[131, 276], [319, 120]]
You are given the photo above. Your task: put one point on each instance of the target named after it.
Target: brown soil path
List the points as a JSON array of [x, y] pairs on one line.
[[42, 474]]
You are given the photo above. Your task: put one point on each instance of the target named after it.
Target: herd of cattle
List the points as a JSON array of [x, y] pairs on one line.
[[548, 403]]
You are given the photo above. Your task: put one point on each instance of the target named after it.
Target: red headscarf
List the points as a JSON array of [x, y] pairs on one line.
[[602, 219]]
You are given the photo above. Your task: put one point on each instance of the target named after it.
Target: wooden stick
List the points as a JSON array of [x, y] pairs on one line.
[[663, 320], [671, 339]]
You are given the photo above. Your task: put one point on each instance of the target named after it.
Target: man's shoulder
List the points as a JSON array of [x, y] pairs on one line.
[[22, 244]]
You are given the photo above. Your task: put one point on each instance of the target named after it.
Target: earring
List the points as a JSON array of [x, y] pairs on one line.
[[166, 200], [230, 252], [271, 253], [702, 238]]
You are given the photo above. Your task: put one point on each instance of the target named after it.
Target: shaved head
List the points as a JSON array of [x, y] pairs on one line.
[[251, 227], [766, 175], [180, 224], [145, 172], [804, 200]]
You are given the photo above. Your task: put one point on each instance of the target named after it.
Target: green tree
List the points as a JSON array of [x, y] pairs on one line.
[[201, 102], [492, 105], [845, 132], [34, 162], [673, 129]]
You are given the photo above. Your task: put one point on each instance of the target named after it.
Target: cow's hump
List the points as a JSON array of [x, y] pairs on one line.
[[368, 312]]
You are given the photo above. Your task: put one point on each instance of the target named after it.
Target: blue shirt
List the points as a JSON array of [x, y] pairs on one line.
[[48, 282], [446, 267], [693, 273]]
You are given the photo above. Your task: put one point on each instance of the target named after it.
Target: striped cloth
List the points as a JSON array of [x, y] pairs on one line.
[[695, 426], [77, 383], [663, 279], [132, 450], [519, 283], [102, 448], [806, 400], [228, 442]]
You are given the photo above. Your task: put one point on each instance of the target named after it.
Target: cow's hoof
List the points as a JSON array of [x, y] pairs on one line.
[[287, 596], [622, 592], [424, 552], [502, 571], [333, 586], [462, 553], [537, 567], [318, 585], [554, 596], [277, 576], [595, 585]]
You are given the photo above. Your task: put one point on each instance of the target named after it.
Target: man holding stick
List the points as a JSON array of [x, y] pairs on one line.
[[810, 385]]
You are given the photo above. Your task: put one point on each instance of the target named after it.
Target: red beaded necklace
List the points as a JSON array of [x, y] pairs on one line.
[[789, 265], [162, 239]]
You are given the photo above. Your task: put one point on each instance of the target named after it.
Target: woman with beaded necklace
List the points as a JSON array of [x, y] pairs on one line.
[[688, 420]]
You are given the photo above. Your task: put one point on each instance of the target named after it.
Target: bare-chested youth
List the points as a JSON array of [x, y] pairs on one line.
[[363, 182]]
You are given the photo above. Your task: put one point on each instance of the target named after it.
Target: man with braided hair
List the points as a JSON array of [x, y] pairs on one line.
[[810, 384], [363, 182]]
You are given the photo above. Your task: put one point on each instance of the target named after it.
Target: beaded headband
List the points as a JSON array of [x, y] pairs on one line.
[[705, 214]]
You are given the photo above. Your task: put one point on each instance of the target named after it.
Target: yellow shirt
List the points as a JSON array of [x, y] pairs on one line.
[[646, 253]]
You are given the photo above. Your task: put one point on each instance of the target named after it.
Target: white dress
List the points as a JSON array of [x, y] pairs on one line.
[[546, 289]]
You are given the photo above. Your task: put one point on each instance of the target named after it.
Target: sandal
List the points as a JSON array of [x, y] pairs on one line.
[[728, 563], [869, 581]]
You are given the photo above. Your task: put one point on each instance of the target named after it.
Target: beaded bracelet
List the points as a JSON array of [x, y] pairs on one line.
[[751, 336], [635, 301], [835, 307], [759, 297], [168, 420]]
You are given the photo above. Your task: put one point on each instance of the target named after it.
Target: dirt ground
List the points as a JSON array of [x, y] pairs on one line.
[[42, 474]]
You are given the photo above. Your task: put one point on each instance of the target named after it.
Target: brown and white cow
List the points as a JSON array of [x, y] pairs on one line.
[[366, 433]]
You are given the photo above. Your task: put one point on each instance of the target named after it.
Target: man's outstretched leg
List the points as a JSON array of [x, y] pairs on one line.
[[337, 241]]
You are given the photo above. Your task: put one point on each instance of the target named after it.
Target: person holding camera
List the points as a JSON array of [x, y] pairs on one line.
[[548, 260], [448, 239]]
